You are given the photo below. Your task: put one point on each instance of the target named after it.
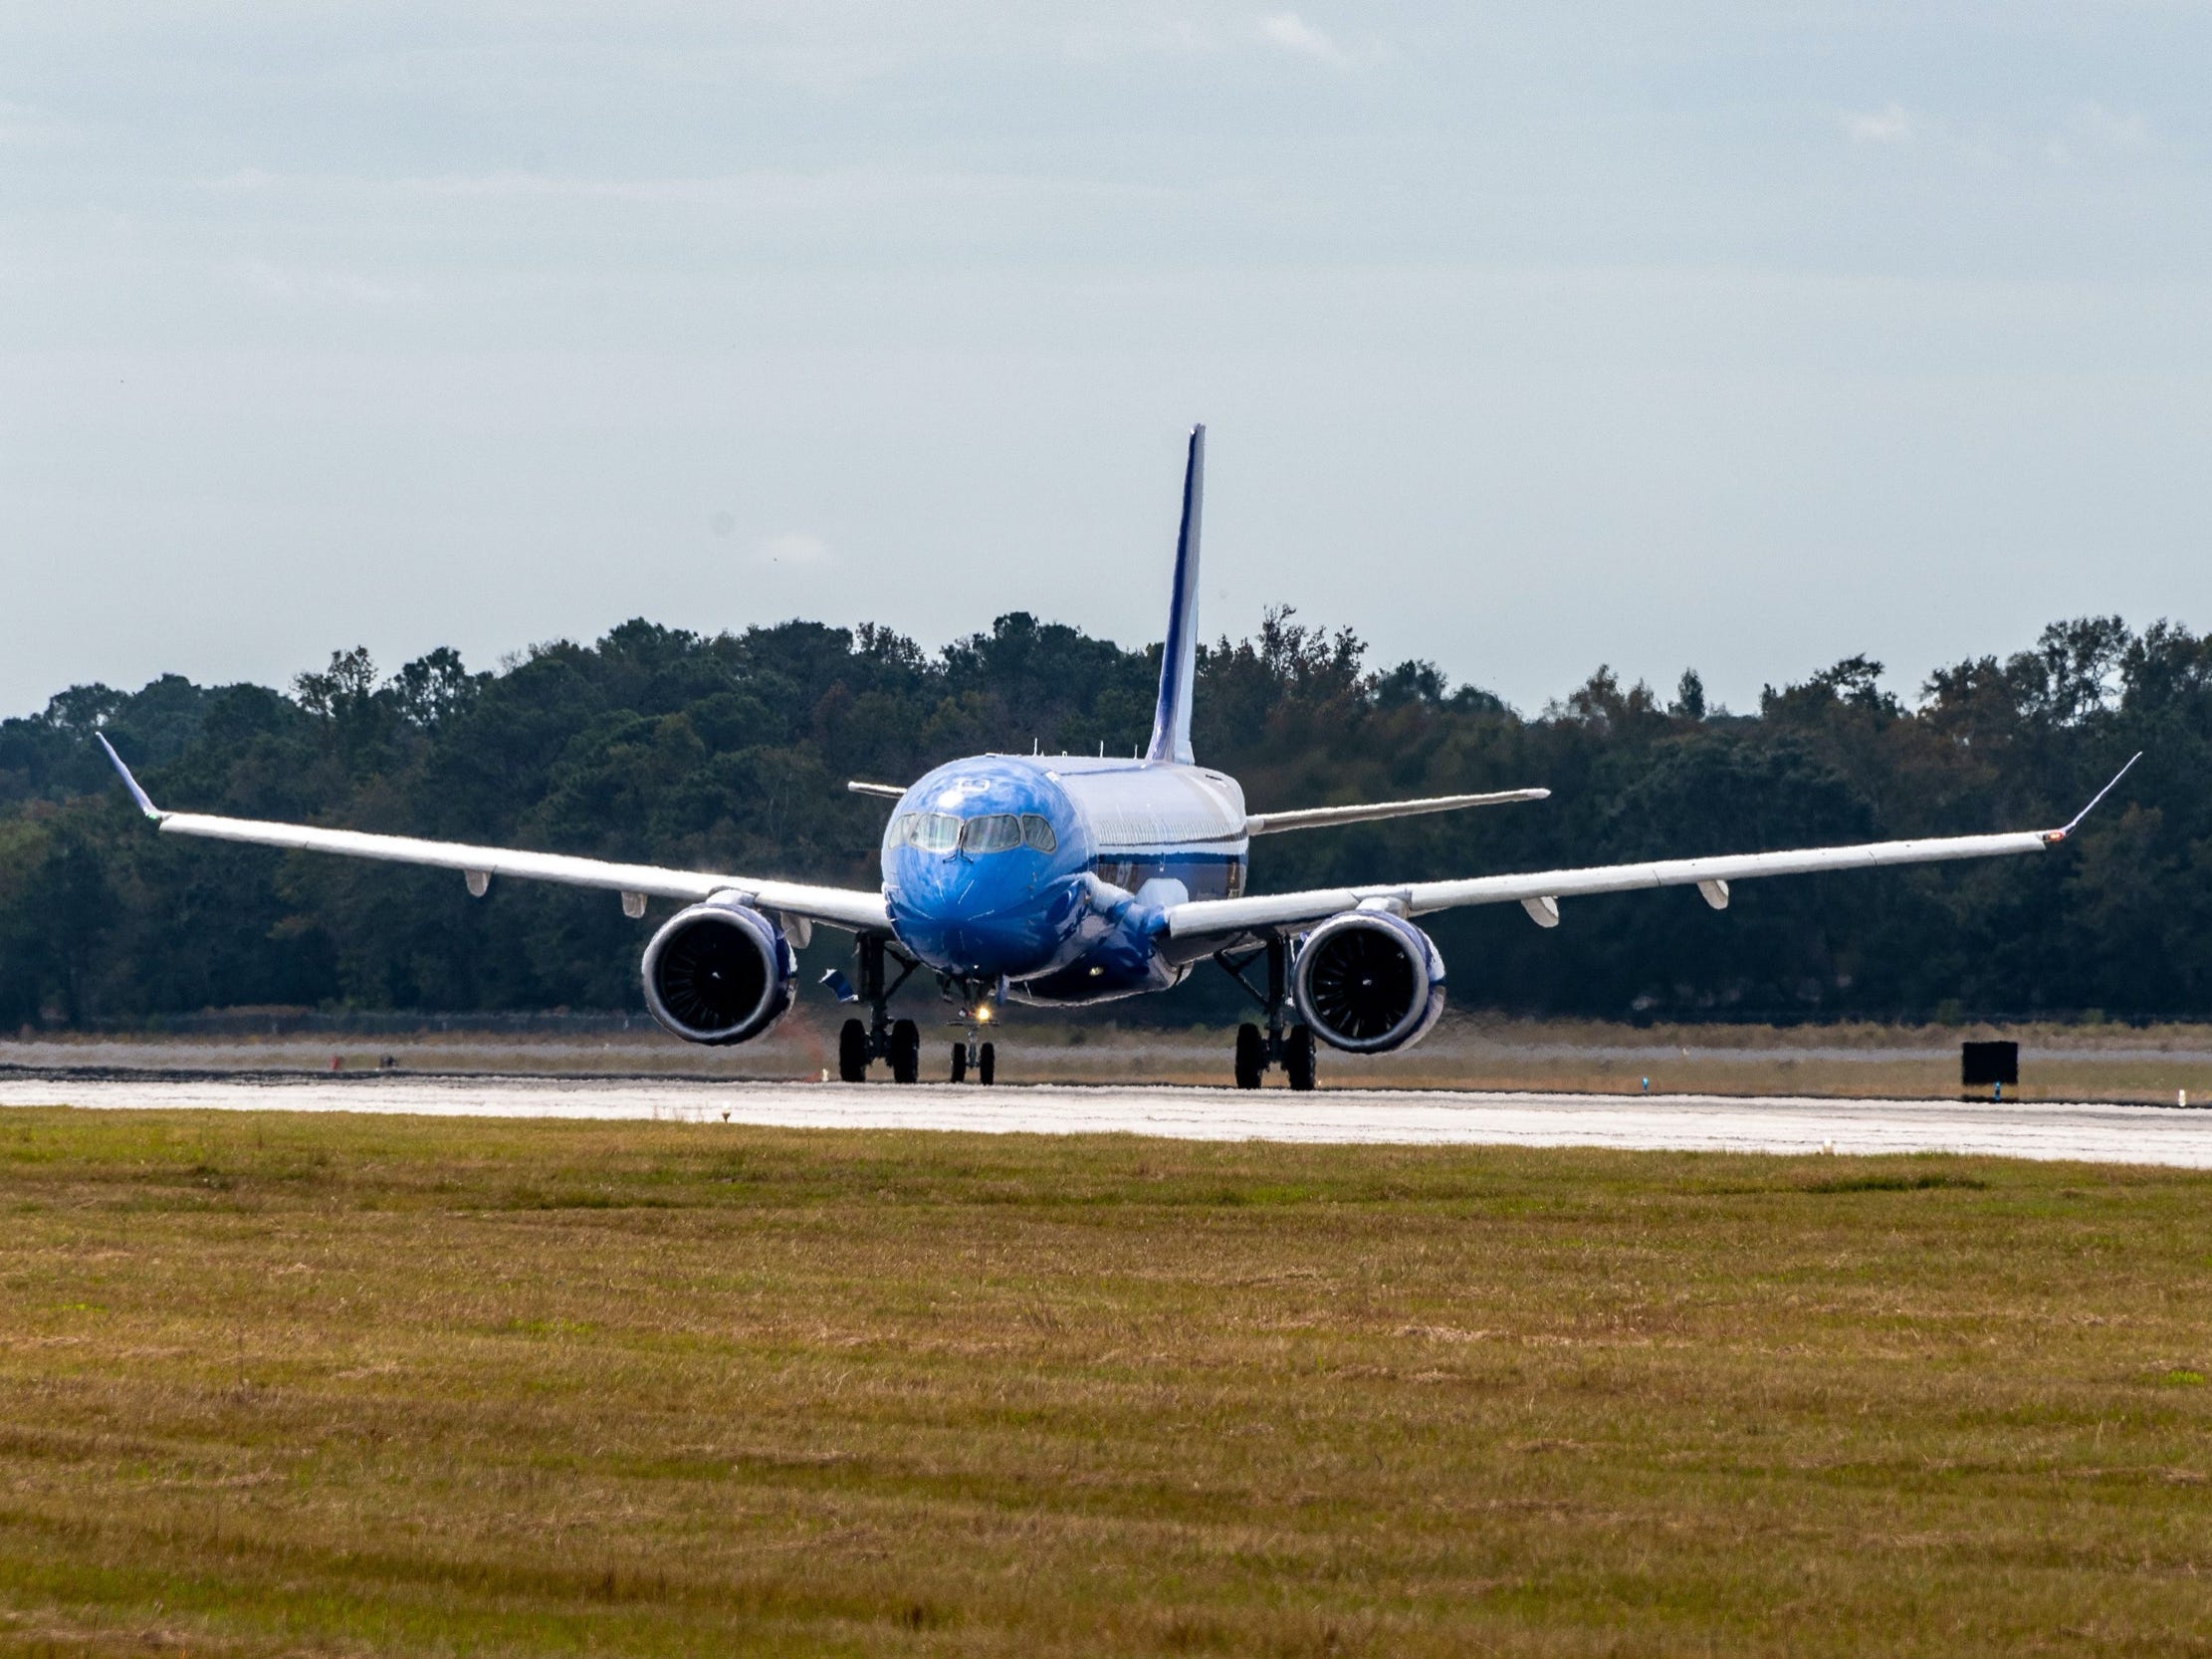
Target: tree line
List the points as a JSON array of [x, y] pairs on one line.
[[732, 752]]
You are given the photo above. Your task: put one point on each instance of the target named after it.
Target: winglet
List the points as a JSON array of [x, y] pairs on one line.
[[1171, 722], [145, 803], [2052, 838]]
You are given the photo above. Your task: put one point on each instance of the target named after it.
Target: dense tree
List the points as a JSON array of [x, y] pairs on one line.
[[732, 752]]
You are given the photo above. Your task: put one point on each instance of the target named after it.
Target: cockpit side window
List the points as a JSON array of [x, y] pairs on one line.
[[1036, 834], [996, 833]]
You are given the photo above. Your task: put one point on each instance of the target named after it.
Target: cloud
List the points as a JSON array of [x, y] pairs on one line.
[[2109, 127], [246, 178], [1179, 37], [792, 546], [1893, 124], [1292, 33], [842, 191], [293, 285], [1175, 37], [2092, 129], [525, 186], [25, 127], [2090, 132]]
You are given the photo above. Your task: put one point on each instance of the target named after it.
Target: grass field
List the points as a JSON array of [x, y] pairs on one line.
[[290, 1384]]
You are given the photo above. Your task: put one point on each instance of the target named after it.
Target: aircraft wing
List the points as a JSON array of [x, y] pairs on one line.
[[1368, 812], [850, 908], [1540, 891]]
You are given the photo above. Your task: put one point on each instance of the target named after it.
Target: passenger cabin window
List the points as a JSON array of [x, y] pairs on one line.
[[1036, 834]]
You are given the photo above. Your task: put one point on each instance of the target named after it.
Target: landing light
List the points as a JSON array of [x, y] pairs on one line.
[[983, 1015]]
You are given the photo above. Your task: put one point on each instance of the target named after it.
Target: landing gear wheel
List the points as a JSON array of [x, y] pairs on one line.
[[987, 1065], [906, 1052], [852, 1052], [1299, 1058], [1252, 1056], [959, 1063]]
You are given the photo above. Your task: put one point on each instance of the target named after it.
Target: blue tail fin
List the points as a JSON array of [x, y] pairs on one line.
[[1171, 723]]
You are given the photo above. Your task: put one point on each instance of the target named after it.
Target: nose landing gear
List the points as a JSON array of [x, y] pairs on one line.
[[971, 1056], [881, 1038], [979, 1058], [1293, 1047]]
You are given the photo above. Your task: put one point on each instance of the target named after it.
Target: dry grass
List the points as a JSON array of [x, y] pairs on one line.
[[361, 1385]]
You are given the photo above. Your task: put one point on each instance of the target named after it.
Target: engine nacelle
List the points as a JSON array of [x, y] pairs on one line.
[[1368, 982], [720, 972]]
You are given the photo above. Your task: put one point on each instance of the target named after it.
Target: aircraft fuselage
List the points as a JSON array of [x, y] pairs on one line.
[[1049, 873]]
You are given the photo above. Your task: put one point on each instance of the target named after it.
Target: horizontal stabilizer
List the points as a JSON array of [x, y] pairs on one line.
[[1321, 818]]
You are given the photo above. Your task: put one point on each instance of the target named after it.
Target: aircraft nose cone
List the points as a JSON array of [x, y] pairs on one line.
[[971, 920], [939, 890]]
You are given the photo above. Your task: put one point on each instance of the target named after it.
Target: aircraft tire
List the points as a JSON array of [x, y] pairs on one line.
[[906, 1052], [852, 1052], [1299, 1060], [959, 1063], [987, 1065], [1252, 1056]]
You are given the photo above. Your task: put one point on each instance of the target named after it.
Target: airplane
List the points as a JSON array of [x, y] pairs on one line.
[[1059, 880]]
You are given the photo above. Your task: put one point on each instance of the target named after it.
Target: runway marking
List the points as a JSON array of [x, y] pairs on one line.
[[2093, 1133]]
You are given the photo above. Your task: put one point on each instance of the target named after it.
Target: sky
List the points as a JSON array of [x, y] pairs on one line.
[[1529, 338]]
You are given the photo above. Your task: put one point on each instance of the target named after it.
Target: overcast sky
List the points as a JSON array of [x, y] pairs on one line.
[[1747, 337]]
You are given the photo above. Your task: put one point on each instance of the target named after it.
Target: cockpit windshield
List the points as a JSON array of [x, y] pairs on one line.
[[934, 831], [997, 832], [931, 832], [975, 837]]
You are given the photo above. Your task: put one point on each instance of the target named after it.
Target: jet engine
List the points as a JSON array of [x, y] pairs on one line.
[[720, 972], [1368, 982]]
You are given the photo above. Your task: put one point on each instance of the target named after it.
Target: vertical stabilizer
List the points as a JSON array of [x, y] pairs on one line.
[[1171, 723]]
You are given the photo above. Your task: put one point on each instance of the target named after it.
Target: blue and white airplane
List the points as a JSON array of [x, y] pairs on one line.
[[1063, 880]]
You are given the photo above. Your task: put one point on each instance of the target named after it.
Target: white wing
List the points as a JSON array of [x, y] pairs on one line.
[[836, 906], [1322, 818], [1541, 891]]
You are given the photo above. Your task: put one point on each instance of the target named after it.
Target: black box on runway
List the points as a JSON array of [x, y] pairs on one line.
[[1982, 1064]]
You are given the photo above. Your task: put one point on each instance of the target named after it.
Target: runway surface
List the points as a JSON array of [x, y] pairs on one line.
[[2095, 1133]]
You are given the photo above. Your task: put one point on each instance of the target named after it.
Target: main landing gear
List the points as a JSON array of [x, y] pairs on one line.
[[1291, 1048], [881, 1038], [861, 1042]]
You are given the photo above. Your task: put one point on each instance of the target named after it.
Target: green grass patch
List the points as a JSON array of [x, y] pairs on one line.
[[327, 1384], [1923, 1180]]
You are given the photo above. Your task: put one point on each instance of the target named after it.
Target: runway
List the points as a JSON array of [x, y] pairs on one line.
[[2095, 1133]]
